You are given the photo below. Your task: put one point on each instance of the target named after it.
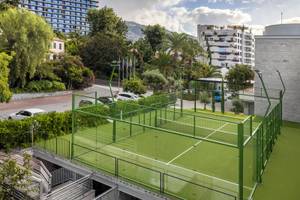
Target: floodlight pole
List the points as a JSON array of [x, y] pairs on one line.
[[283, 85], [114, 65], [281, 94], [265, 90]]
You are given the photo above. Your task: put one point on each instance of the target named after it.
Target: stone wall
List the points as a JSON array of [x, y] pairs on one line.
[[283, 54]]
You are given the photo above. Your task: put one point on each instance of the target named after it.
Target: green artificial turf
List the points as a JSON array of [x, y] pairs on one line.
[[281, 179], [191, 168]]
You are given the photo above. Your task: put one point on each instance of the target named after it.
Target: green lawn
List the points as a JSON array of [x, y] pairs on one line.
[[281, 179], [191, 168]]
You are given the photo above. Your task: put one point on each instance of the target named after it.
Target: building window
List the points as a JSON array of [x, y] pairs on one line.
[[60, 46], [54, 45]]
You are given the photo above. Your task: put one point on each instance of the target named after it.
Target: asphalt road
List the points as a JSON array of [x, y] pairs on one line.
[[49, 104], [64, 102]]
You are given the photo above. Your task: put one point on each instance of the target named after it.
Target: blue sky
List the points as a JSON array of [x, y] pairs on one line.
[[184, 15]]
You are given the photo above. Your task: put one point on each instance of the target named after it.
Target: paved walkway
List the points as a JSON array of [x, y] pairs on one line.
[[281, 180]]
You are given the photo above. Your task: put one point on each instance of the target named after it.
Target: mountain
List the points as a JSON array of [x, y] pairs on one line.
[[135, 31]]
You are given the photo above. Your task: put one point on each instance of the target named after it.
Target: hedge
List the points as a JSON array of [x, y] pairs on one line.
[[17, 133]]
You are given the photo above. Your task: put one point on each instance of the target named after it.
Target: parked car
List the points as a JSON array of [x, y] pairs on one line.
[[87, 102], [127, 96], [22, 114], [105, 100]]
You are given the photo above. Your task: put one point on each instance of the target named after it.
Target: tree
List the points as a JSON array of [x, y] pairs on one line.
[[100, 50], [73, 43], [208, 71], [239, 77], [204, 98], [165, 63], [143, 50], [191, 49], [15, 176], [155, 36], [29, 36], [6, 4], [175, 43], [5, 93], [73, 73], [134, 85], [45, 71], [105, 21], [155, 80], [238, 106]]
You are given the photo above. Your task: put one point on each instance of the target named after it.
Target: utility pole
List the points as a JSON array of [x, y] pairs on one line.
[[281, 17]]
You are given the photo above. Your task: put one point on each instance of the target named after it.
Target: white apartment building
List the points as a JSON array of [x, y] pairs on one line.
[[229, 45], [57, 48]]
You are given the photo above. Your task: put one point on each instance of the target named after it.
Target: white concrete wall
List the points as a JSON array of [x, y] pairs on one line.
[[283, 54]]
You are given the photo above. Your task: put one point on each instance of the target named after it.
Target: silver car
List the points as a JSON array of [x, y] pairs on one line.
[[22, 114]]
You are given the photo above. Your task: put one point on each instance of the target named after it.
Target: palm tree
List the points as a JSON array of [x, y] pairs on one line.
[[208, 71], [174, 44], [165, 63], [190, 50]]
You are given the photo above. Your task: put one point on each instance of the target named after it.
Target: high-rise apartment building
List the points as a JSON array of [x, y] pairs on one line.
[[229, 45], [63, 15]]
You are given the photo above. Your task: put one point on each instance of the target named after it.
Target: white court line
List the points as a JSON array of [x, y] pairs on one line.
[[107, 148], [211, 129], [195, 145]]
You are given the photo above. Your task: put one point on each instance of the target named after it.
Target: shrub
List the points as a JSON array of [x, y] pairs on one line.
[[134, 85], [155, 80], [159, 99], [16, 133], [58, 86], [88, 77], [238, 106], [73, 73], [44, 86], [38, 86]]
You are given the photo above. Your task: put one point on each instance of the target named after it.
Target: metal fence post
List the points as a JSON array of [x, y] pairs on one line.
[[155, 118], [195, 98], [174, 110], [144, 121], [96, 97], [56, 145], [241, 160], [116, 167], [251, 125], [162, 182], [181, 103], [73, 125], [114, 130], [130, 125], [259, 157], [223, 98], [213, 105], [194, 125]]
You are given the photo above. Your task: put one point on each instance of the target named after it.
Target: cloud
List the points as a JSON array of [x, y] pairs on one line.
[[172, 14]]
